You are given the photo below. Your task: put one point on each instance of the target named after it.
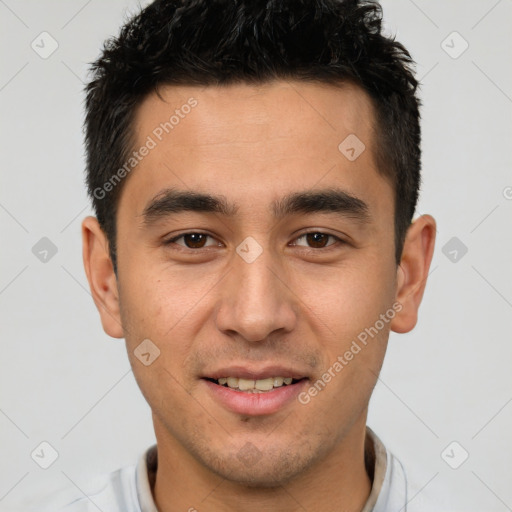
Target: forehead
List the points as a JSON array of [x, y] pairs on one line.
[[239, 113], [242, 137]]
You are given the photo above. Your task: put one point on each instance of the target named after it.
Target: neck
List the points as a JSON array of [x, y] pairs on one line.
[[338, 481]]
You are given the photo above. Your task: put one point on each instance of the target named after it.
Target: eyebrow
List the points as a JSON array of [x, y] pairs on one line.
[[173, 201]]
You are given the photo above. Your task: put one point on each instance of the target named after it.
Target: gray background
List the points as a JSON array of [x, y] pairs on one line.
[[64, 381]]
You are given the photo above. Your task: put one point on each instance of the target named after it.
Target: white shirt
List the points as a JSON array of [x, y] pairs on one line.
[[128, 489]]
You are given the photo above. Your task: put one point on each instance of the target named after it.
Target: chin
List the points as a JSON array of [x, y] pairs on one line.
[[253, 469]]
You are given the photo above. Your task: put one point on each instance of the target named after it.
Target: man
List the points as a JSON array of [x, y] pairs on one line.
[[254, 169]]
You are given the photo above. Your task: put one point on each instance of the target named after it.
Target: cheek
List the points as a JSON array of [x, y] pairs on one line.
[[155, 297], [353, 335], [348, 300], [167, 306], [159, 310], [356, 308]]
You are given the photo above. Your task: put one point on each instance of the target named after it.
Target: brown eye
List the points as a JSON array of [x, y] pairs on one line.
[[316, 240], [193, 240]]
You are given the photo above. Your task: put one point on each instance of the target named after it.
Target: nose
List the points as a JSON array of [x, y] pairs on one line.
[[256, 300]]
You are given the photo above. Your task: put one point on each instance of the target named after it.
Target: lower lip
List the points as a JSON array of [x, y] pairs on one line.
[[255, 404]]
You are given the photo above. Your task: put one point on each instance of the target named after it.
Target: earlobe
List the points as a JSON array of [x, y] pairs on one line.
[[101, 276], [413, 271]]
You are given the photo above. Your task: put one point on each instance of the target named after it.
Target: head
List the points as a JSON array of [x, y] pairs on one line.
[[265, 227], [222, 43]]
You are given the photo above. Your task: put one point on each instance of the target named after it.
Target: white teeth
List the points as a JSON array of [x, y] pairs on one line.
[[264, 384], [232, 382], [278, 381], [245, 384], [255, 385]]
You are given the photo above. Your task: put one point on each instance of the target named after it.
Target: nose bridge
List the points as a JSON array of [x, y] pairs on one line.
[[254, 301]]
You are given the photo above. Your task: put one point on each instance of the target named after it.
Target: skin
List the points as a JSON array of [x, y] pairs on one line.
[[296, 305]]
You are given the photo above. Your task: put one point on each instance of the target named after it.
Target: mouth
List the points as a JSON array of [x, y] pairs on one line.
[[254, 393], [255, 385]]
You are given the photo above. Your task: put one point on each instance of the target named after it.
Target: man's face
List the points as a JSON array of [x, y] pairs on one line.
[[279, 285]]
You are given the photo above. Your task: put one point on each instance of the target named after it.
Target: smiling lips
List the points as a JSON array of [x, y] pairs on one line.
[[254, 393], [254, 386]]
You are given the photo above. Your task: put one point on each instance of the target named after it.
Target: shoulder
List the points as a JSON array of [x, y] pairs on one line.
[[400, 489], [115, 492], [408, 493]]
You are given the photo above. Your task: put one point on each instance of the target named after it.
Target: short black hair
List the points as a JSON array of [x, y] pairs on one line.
[[222, 42]]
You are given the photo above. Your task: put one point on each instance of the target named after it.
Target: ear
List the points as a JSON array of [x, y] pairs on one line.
[[101, 276], [413, 271]]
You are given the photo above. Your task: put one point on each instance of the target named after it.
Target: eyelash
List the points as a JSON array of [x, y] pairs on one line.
[[337, 240]]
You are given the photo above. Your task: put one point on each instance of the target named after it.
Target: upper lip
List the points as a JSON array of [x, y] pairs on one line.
[[253, 373]]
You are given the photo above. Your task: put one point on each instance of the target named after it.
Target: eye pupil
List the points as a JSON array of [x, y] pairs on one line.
[[317, 240], [194, 240]]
